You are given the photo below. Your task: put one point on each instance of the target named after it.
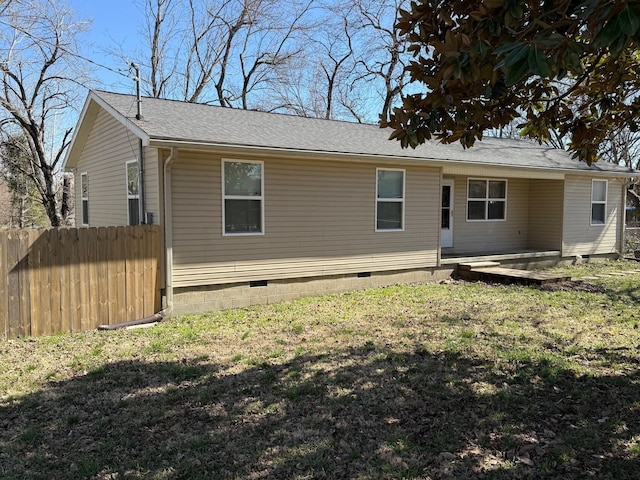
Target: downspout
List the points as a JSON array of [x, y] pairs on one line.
[[168, 232], [155, 318]]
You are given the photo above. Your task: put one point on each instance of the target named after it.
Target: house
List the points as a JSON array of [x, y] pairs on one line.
[[257, 207]]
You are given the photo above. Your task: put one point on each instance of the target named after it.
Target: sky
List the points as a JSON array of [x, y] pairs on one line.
[[113, 22]]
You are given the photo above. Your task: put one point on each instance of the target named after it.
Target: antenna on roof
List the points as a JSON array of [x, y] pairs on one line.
[[138, 99]]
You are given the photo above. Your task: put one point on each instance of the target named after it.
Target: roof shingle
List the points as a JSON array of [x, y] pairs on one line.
[[207, 124]]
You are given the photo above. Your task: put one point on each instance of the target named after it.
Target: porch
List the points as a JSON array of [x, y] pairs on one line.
[[525, 226], [513, 267], [513, 258]]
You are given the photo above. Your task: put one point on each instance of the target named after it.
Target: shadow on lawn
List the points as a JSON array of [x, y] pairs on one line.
[[628, 294], [378, 415]]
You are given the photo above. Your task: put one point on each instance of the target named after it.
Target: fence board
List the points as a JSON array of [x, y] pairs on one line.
[[93, 276], [33, 263], [112, 238], [103, 275], [4, 305], [63, 241], [75, 302], [62, 280], [85, 280], [13, 288], [152, 297], [24, 325], [42, 275], [55, 269], [138, 274], [121, 272]]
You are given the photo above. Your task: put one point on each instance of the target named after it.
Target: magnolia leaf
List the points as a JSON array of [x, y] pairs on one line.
[[516, 11], [608, 34], [507, 47], [539, 63], [628, 21], [515, 56], [503, 59], [517, 72]]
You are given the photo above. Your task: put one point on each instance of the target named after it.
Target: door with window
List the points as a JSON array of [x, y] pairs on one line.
[[446, 216]]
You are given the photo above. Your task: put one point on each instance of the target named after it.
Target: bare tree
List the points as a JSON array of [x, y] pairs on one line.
[[161, 26], [213, 38], [622, 147], [39, 75], [220, 51], [266, 47], [321, 58], [382, 50], [337, 50], [322, 85]]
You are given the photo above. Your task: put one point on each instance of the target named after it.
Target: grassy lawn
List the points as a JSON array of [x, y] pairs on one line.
[[452, 380]]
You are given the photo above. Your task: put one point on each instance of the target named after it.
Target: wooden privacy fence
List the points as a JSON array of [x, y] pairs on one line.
[[74, 279]]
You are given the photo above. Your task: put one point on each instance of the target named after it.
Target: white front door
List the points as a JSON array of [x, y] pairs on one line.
[[446, 222]]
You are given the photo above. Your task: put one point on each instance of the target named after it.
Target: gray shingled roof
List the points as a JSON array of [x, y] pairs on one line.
[[207, 124]]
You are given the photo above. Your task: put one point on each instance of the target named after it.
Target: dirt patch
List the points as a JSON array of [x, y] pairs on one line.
[[573, 286]]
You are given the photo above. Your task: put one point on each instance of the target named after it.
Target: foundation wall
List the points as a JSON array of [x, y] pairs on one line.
[[192, 300], [201, 299]]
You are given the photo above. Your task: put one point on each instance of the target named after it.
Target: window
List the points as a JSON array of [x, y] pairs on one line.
[[133, 192], [598, 202], [389, 199], [84, 194], [242, 190], [486, 200]]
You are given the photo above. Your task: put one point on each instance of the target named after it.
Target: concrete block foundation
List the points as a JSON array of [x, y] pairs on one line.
[[200, 299]]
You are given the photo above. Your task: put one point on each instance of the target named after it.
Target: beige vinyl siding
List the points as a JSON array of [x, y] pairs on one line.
[[319, 220], [152, 184], [103, 158], [545, 214], [580, 237], [492, 236]]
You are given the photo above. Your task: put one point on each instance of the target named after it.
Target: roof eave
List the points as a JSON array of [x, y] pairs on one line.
[[223, 148], [85, 121]]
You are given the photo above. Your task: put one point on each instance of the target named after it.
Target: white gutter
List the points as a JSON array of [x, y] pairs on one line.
[[168, 232]]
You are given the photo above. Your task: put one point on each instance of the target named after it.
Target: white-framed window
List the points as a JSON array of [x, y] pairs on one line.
[[84, 195], [133, 192], [390, 184], [486, 200], [599, 202], [242, 197]]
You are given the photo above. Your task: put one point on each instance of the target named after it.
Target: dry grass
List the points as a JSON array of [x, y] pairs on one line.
[[456, 380]]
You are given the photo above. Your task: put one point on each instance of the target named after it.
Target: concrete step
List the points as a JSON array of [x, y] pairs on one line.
[[510, 275], [471, 265]]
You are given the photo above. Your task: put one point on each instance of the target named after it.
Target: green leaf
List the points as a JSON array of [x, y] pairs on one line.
[[550, 38], [628, 21], [539, 63], [515, 56], [517, 72], [516, 11], [608, 34], [507, 47], [618, 45]]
